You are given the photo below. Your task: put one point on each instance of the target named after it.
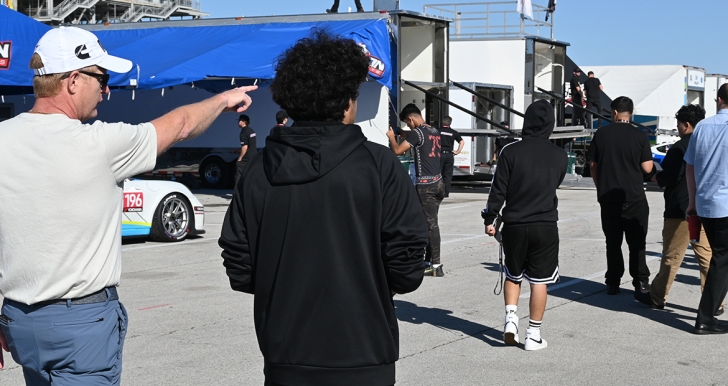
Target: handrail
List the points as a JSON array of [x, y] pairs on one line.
[[493, 101], [592, 112], [484, 119]]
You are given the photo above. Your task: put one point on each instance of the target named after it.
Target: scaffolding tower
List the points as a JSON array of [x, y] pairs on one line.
[[108, 11]]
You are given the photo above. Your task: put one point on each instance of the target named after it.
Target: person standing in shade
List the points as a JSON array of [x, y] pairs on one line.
[[247, 146], [706, 159], [335, 8], [593, 88], [501, 142], [577, 99], [61, 317], [281, 118], [675, 234], [425, 141], [448, 137], [620, 155], [529, 172]]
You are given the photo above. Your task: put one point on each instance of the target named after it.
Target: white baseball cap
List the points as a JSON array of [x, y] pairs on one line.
[[67, 49]]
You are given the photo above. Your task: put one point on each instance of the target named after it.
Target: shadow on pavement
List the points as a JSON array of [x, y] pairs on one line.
[[595, 295], [411, 313]]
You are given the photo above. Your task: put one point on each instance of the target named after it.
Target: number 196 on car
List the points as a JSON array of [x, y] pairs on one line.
[[133, 201]]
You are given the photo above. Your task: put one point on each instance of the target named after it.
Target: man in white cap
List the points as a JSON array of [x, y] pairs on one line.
[[60, 231]]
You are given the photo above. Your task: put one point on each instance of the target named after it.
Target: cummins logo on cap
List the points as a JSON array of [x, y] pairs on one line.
[[82, 52], [5, 52]]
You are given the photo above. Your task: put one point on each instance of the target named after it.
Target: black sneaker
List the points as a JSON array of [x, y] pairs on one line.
[[642, 294], [612, 289], [360, 10], [719, 312], [332, 11]]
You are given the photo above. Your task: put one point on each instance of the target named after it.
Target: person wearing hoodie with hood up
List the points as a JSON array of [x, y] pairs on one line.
[[324, 228], [529, 172]]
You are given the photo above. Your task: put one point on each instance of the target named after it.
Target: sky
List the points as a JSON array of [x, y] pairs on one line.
[[601, 32]]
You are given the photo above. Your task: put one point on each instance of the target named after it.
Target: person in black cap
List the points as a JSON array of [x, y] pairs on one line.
[[577, 99], [335, 8], [281, 118], [448, 137], [529, 172]]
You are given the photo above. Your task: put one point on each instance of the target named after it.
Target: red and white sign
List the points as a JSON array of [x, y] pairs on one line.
[[5, 52], [133, 201]]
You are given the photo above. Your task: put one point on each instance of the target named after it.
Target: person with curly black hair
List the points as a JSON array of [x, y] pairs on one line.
[[335, 8], [324, 228], [675, 235]]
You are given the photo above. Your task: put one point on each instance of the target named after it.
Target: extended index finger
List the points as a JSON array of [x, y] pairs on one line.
[[248, 88]]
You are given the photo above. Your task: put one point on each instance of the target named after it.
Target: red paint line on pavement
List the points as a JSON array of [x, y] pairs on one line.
[[149, 308]]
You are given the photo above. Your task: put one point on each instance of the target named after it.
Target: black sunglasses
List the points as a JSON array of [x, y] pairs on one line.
[[102, 78]]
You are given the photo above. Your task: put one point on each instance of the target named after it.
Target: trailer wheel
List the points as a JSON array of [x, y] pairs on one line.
[[173, 219], [215, 173]]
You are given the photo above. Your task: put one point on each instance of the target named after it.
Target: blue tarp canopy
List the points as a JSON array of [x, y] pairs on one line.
[[176, 55], [18, 36]]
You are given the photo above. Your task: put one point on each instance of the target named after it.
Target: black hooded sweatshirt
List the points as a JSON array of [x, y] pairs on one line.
[[528, 173], [322, 227]]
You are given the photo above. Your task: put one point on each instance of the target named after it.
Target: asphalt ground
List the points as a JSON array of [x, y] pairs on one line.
[[187, 327]]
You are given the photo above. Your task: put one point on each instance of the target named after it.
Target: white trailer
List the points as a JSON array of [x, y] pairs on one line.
[[657, 91], [712, 83], [491, 43], [477, 153]]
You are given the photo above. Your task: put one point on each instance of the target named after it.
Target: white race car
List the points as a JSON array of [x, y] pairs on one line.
[[162, 210]]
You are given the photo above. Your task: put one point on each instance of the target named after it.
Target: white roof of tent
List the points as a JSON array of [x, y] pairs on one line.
[[641, 83]]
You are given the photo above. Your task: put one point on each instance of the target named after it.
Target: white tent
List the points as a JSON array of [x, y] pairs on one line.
[[657, 91]]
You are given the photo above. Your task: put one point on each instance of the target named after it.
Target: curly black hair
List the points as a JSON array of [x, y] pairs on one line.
[[317, 77], [691, 114]]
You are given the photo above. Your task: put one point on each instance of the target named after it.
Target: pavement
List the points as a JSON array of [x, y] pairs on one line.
[[187, 327]]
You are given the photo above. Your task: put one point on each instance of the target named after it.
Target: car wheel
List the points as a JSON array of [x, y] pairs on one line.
[[214, 173], [172, 219]]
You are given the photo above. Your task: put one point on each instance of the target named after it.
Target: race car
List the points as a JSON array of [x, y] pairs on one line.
[[161, 210], [660, 150]]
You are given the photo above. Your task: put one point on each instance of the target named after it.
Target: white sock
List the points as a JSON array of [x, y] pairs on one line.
[[511, 310], [534, 329]]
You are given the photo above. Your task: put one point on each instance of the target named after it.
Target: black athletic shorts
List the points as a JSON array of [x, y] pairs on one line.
[[532, 252]]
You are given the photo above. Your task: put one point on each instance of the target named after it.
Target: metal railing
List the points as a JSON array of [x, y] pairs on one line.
[[493, 19], [68, 7], [159, 10]]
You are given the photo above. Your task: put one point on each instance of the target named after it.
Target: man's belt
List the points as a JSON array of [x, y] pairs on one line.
[[447, 151], [100, 296]]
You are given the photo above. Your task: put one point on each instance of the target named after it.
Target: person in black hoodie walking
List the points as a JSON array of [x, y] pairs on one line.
[[528, 174], [324, 227]]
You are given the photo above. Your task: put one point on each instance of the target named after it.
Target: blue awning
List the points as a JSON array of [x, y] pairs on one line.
[[176, 55], [171, 56], [18, 36]]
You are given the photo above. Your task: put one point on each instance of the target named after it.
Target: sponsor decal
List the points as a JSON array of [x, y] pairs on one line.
[[6, 50], [82, 52], [133, 201], [376, 65]]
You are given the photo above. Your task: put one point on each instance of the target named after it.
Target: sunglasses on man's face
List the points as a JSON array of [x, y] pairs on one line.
[[102, 78]]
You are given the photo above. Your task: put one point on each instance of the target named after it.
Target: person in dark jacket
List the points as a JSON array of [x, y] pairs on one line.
[[528, 174], [324, 228], [675, 235]]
